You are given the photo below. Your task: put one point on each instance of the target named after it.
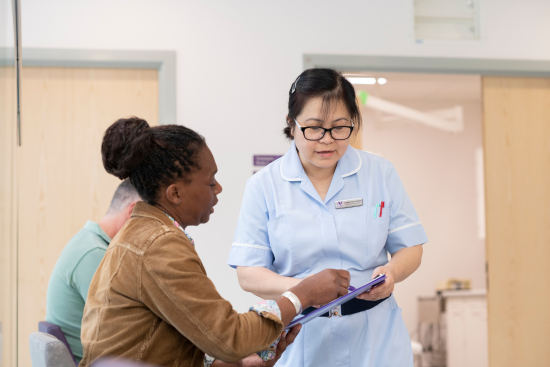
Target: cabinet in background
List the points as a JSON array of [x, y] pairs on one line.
[[467, 342]]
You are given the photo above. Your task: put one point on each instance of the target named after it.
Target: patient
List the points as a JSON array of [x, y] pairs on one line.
[[73, 272], [150, 299]]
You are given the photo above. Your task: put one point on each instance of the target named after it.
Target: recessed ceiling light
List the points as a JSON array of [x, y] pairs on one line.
[[382, 81], [362, 80]]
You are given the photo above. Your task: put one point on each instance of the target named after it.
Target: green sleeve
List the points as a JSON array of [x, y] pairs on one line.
[[85, 270]]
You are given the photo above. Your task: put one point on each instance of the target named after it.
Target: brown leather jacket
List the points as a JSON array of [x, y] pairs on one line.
[[150, 300]]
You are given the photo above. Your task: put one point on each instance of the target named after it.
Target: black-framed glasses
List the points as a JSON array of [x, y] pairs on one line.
[[318, 132]]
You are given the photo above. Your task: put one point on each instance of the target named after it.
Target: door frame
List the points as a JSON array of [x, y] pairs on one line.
[[429, 65], [163, 61]]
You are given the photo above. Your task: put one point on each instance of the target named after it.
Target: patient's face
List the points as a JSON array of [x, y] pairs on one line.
[[200, 194]]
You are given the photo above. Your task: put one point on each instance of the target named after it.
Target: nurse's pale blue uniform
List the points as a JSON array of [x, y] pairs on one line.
[[286, 227]]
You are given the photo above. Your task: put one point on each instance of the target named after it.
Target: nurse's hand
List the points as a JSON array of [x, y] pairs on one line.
[[322, 287], [383, 290]]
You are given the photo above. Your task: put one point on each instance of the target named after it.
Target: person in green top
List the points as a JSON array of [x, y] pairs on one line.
[[75, 268]]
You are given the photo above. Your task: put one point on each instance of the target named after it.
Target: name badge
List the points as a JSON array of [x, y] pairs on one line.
[[350, 203]]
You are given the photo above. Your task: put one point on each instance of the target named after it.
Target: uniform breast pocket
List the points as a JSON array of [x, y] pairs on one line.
[[377, 230]]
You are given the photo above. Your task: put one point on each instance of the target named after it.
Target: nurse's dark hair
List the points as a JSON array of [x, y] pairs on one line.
[[329, 85], [151, 157]]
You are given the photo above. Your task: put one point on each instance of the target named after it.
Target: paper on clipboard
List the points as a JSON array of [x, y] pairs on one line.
[[337, 302]]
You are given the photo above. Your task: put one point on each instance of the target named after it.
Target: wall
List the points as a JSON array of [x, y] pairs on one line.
[[6, 24], [237, 60]]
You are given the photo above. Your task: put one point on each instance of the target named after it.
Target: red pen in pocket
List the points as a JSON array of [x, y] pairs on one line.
[[381, 207]]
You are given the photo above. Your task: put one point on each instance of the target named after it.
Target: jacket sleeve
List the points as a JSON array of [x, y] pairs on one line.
[[174, 286]]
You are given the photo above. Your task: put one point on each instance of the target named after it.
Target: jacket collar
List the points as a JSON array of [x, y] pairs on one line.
[[292, 169], [143, 209]]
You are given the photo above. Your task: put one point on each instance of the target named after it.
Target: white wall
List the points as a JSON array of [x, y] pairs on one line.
[[237, 60], [6, 24]]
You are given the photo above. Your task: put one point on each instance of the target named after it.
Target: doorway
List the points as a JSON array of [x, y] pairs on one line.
[[515, 97], [438, 165]]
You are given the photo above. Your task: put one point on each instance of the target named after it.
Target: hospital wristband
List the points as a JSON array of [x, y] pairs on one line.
[[295, 301]]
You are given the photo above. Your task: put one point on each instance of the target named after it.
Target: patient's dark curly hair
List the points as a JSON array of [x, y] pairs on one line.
[[152, 157]]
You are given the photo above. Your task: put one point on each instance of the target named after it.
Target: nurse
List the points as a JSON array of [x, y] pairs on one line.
[[327, 205]]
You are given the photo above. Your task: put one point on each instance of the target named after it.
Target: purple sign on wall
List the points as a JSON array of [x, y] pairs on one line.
[[264, 160]]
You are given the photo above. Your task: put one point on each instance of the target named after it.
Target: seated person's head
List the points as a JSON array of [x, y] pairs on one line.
[[120, 210], [170, 166]]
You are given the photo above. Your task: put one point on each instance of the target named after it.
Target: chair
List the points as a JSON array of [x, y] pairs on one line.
[[47, 351], [110, 362], [55, 330]]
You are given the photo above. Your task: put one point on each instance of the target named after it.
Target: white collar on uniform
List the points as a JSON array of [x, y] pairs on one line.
[[292, 169]]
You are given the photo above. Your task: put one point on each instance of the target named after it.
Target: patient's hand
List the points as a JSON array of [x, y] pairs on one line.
[[255, 361], [286, 340]]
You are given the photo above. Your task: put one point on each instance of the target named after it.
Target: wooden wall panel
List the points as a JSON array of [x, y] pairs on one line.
[[62, 180], [8, 212], [517, 177]]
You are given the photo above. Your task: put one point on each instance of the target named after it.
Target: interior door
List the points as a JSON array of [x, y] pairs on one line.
[[8, 210], [62, 181], [517, 177]]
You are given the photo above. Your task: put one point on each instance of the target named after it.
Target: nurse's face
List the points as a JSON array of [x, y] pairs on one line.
[[326, 152]]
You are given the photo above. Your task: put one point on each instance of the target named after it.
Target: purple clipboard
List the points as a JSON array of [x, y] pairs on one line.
[[338, 301]]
